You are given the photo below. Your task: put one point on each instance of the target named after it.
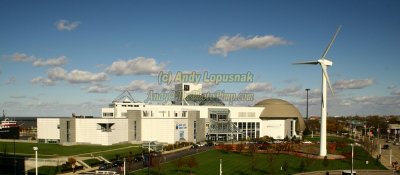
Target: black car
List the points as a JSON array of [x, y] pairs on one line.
[[138, 158], [117, 163], [105, 166], [386, 146]]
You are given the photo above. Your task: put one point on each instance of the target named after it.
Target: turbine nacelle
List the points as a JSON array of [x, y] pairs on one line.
[[325, 62]]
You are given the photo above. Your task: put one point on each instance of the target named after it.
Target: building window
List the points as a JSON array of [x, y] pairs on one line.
[[108, 114], [145, 114], [68, 136], [176, 114], [184, 113], [222, 118], [194, 130], [123, 105], [137, 105], [186, 87], [213, 117], [135, 129]]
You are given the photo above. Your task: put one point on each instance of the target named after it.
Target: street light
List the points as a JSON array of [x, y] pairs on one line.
[[36, 150], [352, 155]]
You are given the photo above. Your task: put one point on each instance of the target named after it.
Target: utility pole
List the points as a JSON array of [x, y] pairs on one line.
[[307, 104]]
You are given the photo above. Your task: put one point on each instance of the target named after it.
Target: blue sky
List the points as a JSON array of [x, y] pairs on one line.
[[76, 56]]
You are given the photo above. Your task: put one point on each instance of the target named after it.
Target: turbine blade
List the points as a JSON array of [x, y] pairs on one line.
[[307, 62], [330, 43], [327, 78]]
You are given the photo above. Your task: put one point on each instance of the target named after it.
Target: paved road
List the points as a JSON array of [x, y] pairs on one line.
[[385, 154]]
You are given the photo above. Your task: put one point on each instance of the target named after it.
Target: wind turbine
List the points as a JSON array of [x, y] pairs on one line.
[[325, 63]]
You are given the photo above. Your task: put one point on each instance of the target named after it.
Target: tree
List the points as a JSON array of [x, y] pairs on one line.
[[179, 164], [156, 163], [285, 166], [325, 162], [271, 162], [302, 166], [72, 162], [191, 162], [228, 147], [240, 147]]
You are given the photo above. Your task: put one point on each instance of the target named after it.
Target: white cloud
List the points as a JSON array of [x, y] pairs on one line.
[[43, 81], [395, 92], [18, 96], [62, 25], [291, 91], [97, 89], [78, 76], [227, 44], [74, 77], [57, 73], [259, 87], [353, 84], [21, 57], [11, 80], [50, 62], [140, 86], [137, 66]]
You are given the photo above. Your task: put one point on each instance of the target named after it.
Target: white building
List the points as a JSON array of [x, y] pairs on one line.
[[128, 121]]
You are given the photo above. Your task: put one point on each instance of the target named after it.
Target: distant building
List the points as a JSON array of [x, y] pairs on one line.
[[128, 121]]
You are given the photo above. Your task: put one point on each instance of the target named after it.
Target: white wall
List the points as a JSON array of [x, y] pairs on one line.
[[273, 128], [87, 131], [158, 129], [47, 128]]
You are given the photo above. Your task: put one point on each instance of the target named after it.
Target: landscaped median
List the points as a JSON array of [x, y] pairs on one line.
[[269, 162]]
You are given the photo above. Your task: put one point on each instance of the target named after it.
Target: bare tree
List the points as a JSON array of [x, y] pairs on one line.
[[179, 164], [156, 163], [191, 162]]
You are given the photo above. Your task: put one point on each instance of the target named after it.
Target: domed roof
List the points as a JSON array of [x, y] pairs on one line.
[[277, 108]]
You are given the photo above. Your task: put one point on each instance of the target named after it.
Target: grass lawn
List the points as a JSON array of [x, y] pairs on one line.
[[241, 164], [54, 150]]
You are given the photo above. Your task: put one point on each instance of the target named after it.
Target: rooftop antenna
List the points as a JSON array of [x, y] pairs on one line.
[[325, 63]]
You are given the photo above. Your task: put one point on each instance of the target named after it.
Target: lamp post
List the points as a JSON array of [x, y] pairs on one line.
[[36, 155], [352, 156]]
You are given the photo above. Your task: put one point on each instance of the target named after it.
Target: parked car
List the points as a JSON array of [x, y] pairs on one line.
[[386, 146], [138, 158], [105, 166], [194, 146], [117, 163]]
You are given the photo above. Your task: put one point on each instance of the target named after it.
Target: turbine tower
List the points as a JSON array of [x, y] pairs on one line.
[[325, 63]]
